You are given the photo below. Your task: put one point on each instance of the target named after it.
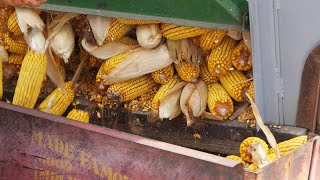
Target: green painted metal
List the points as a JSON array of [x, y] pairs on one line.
[[225, 14]]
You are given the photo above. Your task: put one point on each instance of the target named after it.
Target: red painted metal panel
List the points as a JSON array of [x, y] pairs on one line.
[[35, 145]]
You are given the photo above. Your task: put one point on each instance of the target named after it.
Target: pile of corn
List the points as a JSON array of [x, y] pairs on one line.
[[212, 57], [255, 153]]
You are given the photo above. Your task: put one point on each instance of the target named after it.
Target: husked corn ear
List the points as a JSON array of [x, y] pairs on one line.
[[236, 158], [206, 75], [100, 73], [16, 58], [1, 78], [13, 25], [236, 84], [134, 22], [5, 12], [17, 45], [219, 102], [79, 115], [253, 167], [250, 90], [31, 76], [272, 157], [212, 39], [219, 61], [290, 145], [130, 89], [117, 30], [241, 57], [173, 32], [163, 91], [164, 75], [245, 155], [58, 101], [111, 63], [127, 40], [188, 71]]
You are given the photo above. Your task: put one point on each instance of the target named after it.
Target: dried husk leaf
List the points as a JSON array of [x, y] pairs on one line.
[[58, 22], [236, 35], [4, 54], [271, 139], [36, 40], [240, 110], [100, 26], [63, 42], [247, 39], [187, 92], [141, 61], [107, 50], [149, 35], [259, 156], [169, 107], [28, 18], [53, 72], [184, 50]]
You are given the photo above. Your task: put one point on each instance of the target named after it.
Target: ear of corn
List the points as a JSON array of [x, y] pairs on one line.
[[17, 45], [219, 102], [163, 91], [241, 57], [219, 60], [206, 75], [253, 167], [100, 73], [245, 155], [290, 145], [5, 13], [130, 89], [58, 101], [173, 32], [16, 58], [212, 39], [188, 71], [250, 90], [79, 115], [117, 30], [127, 40], [111, 63], [236, 158], [164, 75], [236, 84], [13, 25], [272, 157], [134, 22], [32, 74]]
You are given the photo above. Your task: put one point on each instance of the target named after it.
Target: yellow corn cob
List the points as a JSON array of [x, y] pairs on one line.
[[164, 75], [219, 61], [58, 101], [79, 115], [131, 89], [250, 90], [236, 84], [245, 155], [188, 71], [290, 145], [272, 157], [236, 158], [163, 91], [17, 45], [212, 39], [241, 57], [127, 40], [117, 30], [1, 78], [13, 25], [16, 58], [206, 76], [100, 73], [247, 116], [111, 63], [134, 22], [219, 102], [173, 32], [253, 167], [32, 74], [5, 13]]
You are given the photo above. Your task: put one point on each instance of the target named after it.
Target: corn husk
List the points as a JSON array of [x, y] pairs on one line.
[[236, 35], [28, 18], [107, 50], [247, 39], [36, 40], [58, 22], [4, 54], [149, 35], [141, 61], [63, 42], [259, 156], [100, 26], [169, 107], [193, 100], [184, 50]]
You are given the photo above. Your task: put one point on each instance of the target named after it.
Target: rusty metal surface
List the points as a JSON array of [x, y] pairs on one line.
[[35, 145], [315, 163], [308, 105]]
